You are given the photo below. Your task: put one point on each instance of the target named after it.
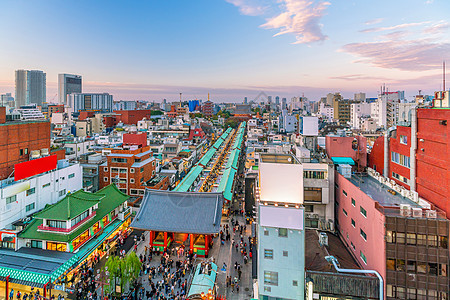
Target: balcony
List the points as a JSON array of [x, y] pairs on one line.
[[66, 230]]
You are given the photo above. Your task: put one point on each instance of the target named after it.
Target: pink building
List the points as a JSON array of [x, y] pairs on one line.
[[408, 246], [348, 146]]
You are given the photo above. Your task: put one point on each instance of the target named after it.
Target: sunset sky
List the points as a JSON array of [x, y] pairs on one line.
[[151, 50]]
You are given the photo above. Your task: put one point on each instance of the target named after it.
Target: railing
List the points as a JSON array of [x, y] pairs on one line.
[[66, 230]]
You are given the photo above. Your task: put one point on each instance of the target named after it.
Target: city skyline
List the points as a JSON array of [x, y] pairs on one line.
[[232, 49]]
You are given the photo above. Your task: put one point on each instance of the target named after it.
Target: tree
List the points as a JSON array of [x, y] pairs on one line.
[[122, 270], [156, 113], [231, 122]]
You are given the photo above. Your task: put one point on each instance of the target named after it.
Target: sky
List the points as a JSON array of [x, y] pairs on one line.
[[150, 50]]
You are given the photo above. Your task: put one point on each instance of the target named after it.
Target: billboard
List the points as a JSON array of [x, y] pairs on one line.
[[281, 217], [34, 167]]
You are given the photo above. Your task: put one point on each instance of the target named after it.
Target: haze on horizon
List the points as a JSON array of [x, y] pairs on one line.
[[152, 50]]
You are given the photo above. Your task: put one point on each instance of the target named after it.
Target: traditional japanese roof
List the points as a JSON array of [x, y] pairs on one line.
[[70, 206], [179, 212], [109, 198]]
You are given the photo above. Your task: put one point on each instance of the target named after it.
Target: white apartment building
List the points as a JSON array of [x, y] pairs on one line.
[[357, 110], [326, 111], [385, 110], [22, 198]]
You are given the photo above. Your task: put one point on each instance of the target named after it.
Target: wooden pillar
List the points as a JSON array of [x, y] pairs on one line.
[[7, 287], [151, 238], [191, 243], [206, 244], [165, 241]]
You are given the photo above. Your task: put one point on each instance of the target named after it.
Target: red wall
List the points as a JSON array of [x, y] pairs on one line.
[[376, 156], [139, 139], [341, 146], [85, 114], [133, 116], [433, 156]]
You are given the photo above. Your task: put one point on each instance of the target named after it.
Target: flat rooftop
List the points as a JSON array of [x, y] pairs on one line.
[[315, 254], [278, 158], [379, 192]]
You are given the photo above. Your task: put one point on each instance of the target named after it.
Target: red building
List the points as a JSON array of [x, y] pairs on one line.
[[135, 139], [348, 146], [133, 116], [399, 160], [131, 170], [433, 156], [18, 139], [196, 135], [207, 108]]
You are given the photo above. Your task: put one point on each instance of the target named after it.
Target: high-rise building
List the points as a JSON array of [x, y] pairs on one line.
[[68, 84], [90, 101], [277, 100], [30, 87], [360, 97], [6, 100]]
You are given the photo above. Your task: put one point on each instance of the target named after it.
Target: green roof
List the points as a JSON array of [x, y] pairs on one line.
[[203, 282], [71, 206], [109, 198], [189, 179]]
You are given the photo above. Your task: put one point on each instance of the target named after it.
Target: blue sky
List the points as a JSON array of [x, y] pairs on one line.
[[231, 48]]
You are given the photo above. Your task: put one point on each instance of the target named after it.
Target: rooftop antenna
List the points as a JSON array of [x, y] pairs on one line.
[[180, 99], [443, 74]]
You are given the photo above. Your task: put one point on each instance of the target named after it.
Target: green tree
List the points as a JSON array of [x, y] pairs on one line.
[[122, 270], [231, 122], [156, 113]]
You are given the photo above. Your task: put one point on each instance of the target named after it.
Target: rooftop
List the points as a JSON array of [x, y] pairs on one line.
[[379, 192], [278, 158]]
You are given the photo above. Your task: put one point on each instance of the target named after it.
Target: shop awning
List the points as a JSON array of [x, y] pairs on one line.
[[90, 246], [343, 161], [34, 267]]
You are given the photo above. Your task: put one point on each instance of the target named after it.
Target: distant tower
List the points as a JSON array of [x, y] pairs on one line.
[[31, 87], [68, 84]]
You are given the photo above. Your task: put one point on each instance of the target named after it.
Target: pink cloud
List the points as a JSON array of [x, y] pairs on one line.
[[400, 26], [249, 7]]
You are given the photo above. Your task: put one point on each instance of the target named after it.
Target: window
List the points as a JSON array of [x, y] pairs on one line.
[[123, 190], [142, 179], [353, 223], [81, 239], [432, 269], [282, 232], [353, 246], [432, 240], [421, 268], [57, 246], [285, 253], [142, 169], [62, 192], [411, 238], [46, 185], [56, 224], [268, 253], [36, 244], [442, 270], [443, 242], [363, 211], [131, 170], [71, 175], [390, 236], [363, 257], [400, 238], [395, 157], [105, 179], [105, 169], [266, 232], [363, 234], [133, 192], [421, 239], [400, 159], [267, 289], [29, 207], [315, 174], [403, 139], [411, 294], [411, 266], [118, 160], [11, 199], [294, 282], [79, 218], [390, 264], [31, 191], [270, 278], [62, 178], [345, 212], [390, 290], [313, 194], [400, 265], [153, 172], [401, 292], [344, 192], [353, 202], [309, 208], [21, 152], [131, 180]]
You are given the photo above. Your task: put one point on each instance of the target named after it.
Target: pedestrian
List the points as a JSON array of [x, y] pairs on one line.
[[11, 294]]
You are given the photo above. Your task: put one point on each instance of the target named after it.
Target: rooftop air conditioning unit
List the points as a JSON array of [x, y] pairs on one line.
[[405, 210], [417, 212], [35, 154], [44, 151], [323, 239], [431, 214]]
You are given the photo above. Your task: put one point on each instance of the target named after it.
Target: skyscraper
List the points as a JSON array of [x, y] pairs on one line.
[[68, 84], [30, 87]]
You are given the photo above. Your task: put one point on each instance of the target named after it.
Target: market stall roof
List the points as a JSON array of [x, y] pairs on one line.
[[34, 267], [182, 212], [189, 179]]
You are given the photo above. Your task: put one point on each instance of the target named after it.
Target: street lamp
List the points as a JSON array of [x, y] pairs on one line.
[[102, 278]]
